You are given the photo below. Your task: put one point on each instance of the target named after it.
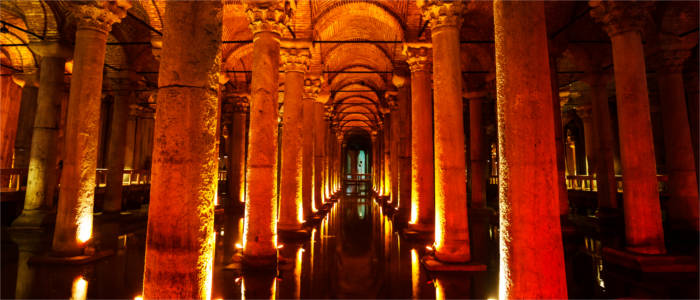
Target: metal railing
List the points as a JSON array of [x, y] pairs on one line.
[[13, 180], [589, 183], [358, 177]]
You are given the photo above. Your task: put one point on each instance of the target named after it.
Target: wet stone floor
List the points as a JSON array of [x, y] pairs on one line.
[[354, 252]]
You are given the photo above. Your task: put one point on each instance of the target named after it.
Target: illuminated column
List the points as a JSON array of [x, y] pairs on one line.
[[386, 146], [130, 137], [180, 240], [25, 124], [394, 140], [295, 62], [311, 90], [530, 227], [319, 153], [327, 120], [559, 137], [267, 22], [404, 148], [236, 176], [585, 113], [117, 139], [680, 161], [373, 137], [451, 225], [604, 143], [422, 167], [42, 174], [477, 150], [623, 22], [76, 199]]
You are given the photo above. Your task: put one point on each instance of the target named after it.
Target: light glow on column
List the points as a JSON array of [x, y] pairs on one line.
[[84, 222], [439, 292]]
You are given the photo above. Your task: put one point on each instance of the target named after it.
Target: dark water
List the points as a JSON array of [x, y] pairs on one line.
[[354, 252]]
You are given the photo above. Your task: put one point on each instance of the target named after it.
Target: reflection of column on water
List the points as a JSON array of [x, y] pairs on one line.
[[259, 286]]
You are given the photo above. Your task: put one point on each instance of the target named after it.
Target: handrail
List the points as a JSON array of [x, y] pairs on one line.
[[589, 183], [358, 176], [14, 179]]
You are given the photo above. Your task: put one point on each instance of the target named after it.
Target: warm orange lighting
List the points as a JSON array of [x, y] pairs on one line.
[[138, 298], [297, 273], [206, 264], [414, 208], [415, 274], [216, 200], [439, 292], [79, 290], [440, 221], [430, 248], [239, 246], [84, 230], [280, 246]]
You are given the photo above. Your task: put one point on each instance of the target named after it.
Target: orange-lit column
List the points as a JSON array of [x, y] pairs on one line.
[[422, 168], [295, 62], [386, 146], [267, 22], [559, 134], [585, 112], [76, 200], [123, 90], [394, 140], [404, 148], [311, 90], [319, 153], [373, 137], [180, 238], [236, 176], [680, 161], [477, 150], [451, 225], [42, 174], [25, 124], [603, 145], [623, 22], [530, 228]]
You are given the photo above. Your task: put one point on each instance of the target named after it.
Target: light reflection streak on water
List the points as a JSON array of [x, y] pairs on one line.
[[297, 274], [79, 289], [439, 292], [415, 275]]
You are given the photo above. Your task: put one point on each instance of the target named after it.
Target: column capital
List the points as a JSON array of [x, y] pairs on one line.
[[239, 102], [269, 15], [312, 87], [51, 49], [418, 56], [585, 112], [618, 17], [671, 53], [442, 13], [100, 15], [28, 78], [294, 57], [392, 100]]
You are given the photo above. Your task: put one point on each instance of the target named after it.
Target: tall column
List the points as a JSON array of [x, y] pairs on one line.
[[311, 90], [42, 174], [295, 62], [394, 140], [680, 161], [267, 21], [386, 159], [422, 167], [530, 227], [559, 138], [604, 143], [451, 225], [25, 124], [585, 113], [623, 22], [319, 139], [130, 139], [404, 148], [76, 199], [181, 236], [117, 138], [236, 176], [477, 150]]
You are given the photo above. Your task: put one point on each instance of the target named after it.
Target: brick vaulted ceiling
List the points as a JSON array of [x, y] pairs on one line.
[[357, 45]]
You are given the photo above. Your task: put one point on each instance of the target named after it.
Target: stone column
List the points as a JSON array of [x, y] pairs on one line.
[[394, 140], [404, 148], [319, 139], [623, 22], [267, 21], [295, 62], [42, 174], [477, 151], [117, 139], [373, 137], [130, 139], [680, 161], [76, 199], [559, 138], [604, 143], [236, 176], [25, 124], [311, 90], [422, 167], [451, 225], [585, 113], [530, 227], [386, 146], [181, 236]]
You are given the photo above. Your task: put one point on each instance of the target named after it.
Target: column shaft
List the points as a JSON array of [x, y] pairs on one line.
[[181, 236], [25, 124], [319, 138], [422, 169], [115, 156], [605, 165], [477, 154], [307, 180], [291, 208], [236, 176], [404, 98], [530, 227]]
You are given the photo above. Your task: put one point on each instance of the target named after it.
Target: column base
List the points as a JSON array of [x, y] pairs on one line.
[[419, 232], [54, 258], [432, 264], [650, 263], [259, 263], [35, 219], [293, 234]]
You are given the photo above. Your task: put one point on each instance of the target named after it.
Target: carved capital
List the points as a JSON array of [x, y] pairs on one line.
[[269, 15], [618, 17], [101, 15], [312, 87], [294, 59], [442, 13], [418, 56], [391, 100]]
